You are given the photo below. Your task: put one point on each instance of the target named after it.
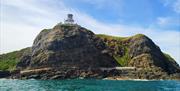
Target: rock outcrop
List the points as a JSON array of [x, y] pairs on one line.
[[68, 46]]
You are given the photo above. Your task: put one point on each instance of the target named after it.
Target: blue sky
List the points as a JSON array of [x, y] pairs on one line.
[[141, 12], [22, 20]]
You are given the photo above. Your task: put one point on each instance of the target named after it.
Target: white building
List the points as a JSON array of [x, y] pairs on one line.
[[69, 19]]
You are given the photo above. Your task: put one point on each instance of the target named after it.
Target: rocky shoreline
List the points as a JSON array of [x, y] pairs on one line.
[[75, 73]]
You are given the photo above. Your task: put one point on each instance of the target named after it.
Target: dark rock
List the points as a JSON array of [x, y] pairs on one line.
[[25, 59], [4, 74], [36, 76]]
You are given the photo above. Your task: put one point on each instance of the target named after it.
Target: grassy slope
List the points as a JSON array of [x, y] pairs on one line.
[[8, 61]]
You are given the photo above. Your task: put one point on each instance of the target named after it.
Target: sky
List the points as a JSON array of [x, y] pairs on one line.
[[22, 20]]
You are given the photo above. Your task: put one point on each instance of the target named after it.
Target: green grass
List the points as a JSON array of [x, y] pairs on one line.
[[121, 59], [46, 30], [108, 37], [9, 61], [8, 65], [168, 56]]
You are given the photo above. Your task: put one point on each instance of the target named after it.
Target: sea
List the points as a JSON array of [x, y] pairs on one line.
[[89, 85]]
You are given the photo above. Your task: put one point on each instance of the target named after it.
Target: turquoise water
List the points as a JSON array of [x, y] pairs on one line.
[[87, 85]]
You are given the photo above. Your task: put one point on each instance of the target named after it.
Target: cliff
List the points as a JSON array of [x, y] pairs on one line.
[[141, 52], [67, 46], [71, 51]]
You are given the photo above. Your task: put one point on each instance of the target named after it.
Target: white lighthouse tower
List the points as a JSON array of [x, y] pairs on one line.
[[69, 19]]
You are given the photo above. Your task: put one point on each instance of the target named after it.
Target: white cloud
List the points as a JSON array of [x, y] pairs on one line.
[[167, 2], [168, 21], [104, 4], [16, 34], [162, 21], [176, 6]]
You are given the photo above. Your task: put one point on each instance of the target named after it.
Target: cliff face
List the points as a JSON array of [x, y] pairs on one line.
[[139, 51], [67, 46]]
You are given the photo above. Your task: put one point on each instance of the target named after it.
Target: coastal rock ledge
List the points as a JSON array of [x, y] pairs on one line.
[[69, 51]]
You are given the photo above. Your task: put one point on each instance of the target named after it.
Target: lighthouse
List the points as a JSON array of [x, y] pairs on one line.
[[69, 19]]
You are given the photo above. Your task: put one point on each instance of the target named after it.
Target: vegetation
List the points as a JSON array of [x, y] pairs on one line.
[[8, 61], [168, 57], [117, 45], [8, 65], [108, 37], [122, 60], [46, 30], [68, 26]]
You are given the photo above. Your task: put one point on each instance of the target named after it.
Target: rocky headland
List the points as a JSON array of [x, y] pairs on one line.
[[69, 51]]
